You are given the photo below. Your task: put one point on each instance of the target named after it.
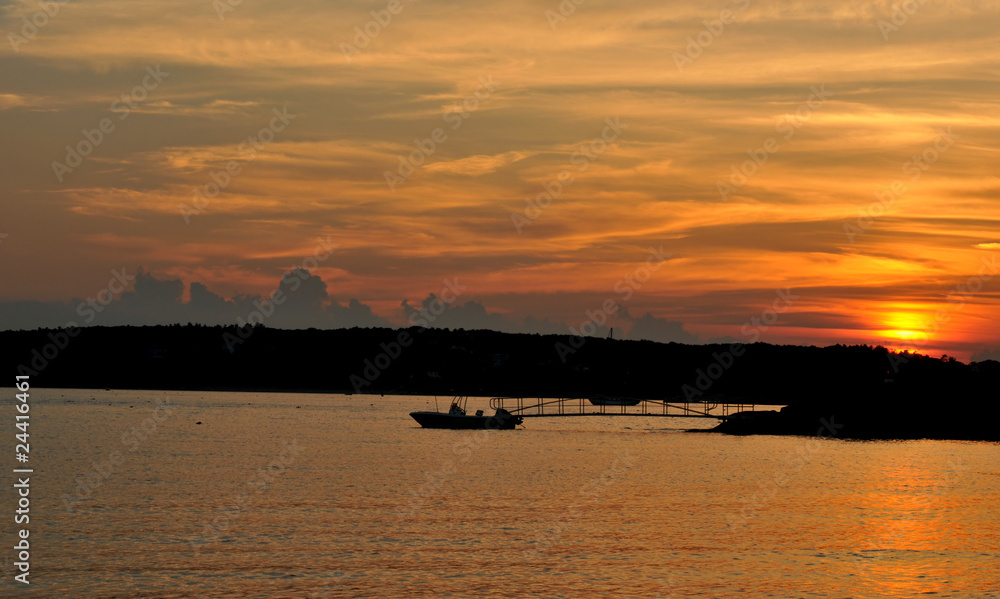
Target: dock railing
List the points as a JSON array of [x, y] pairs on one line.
[[581, 406]]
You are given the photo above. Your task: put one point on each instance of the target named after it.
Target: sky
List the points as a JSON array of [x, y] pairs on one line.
[[789, 172]]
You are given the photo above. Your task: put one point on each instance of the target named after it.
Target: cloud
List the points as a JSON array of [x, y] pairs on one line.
[[653, 328], [655, 184], [208, 308], [303, 302], [35, 314], [354, 314], [472, 315], [986, 354], [8, 101], [543, 326], [152, 301], [475, 166]]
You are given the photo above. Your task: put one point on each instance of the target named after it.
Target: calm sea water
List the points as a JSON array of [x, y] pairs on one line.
[[334, 496]]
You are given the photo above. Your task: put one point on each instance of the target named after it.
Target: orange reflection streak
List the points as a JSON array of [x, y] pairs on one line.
[[898, 548]]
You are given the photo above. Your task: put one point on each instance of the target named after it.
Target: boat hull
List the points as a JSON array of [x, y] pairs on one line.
[[505, 421]]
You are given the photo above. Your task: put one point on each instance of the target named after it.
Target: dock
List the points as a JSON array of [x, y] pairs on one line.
[[581, 406]]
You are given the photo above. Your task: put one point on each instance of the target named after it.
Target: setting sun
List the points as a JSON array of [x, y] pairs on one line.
[[905, 326], [505, 298], [534, 161]]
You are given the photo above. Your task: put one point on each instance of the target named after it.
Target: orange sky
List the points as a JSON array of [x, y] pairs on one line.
[[840, 104]]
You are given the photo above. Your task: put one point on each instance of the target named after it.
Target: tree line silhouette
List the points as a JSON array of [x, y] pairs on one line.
[[865, 385]]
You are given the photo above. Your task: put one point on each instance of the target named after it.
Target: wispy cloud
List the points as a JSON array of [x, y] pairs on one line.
[[475, 166]]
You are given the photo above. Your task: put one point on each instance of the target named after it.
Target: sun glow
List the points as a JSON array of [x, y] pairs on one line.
[[904, 335], [906, 323]]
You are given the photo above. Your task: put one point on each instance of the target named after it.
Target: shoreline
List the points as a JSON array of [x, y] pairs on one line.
[[794, 421]]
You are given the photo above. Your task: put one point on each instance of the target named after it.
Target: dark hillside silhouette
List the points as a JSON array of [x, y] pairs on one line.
[[874, 392]]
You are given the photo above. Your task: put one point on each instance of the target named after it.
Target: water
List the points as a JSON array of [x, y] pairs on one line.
[[331, 496]]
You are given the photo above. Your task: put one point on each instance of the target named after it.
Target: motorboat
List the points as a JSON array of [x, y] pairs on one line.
[[457, 418]]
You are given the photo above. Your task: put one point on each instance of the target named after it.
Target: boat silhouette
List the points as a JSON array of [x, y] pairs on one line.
[[457, 418]]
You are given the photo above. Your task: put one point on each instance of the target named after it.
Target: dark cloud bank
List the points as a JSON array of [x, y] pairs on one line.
[[301, 300]]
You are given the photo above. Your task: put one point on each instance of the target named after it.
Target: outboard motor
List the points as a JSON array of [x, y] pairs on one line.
[[504, 420]]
